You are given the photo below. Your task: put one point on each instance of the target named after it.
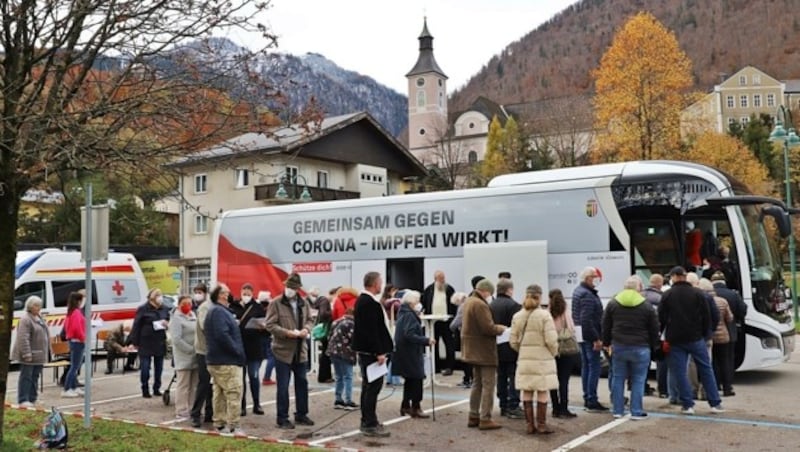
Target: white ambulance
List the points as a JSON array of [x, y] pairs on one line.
[[118, 287]]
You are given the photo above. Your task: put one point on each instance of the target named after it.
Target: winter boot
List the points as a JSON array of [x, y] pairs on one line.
[[528, 408], [541, 417]]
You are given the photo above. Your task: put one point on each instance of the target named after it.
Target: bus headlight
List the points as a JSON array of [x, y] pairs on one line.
[[770, 342]]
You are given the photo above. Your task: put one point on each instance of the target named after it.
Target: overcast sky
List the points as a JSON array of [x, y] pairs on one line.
[[378, 38]]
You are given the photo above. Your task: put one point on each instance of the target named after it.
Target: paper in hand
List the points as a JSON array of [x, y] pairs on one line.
[[504, 337], [376, 370]]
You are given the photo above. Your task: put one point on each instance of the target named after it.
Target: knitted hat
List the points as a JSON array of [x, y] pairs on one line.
[[293, 281], [485, 285]]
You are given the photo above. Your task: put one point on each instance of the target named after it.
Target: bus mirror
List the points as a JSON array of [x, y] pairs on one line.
[[781, 217]]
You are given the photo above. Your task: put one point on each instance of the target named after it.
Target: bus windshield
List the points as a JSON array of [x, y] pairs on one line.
[[761, 248]]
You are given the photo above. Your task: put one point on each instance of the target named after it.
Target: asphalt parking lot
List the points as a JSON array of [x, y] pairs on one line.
[[762, 416]]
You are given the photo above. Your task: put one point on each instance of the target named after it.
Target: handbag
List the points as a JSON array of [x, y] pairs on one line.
[[320, 331], [567, 345]]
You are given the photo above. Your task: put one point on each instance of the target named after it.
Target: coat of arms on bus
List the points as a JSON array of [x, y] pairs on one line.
[[591, 208]]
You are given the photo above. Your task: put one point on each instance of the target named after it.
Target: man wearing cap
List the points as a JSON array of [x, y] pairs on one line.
[[587, 312], [685, 315], [739, 310], [289, 322], [479, 348]]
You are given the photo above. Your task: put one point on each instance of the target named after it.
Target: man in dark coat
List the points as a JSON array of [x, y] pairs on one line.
[[503, 309], [587, 313], [224, 358], [253, 349], [373, 343], [739, 311], [407, 360], [149, 336], [437, 301], [685, 315]]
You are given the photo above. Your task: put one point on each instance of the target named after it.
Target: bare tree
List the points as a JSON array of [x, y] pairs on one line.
[[448, 158], [114, 87], [562, 127]]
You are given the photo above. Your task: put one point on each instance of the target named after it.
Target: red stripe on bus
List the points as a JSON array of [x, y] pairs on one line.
[[98, 269]]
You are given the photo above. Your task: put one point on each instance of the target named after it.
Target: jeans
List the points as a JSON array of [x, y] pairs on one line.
[[284, 372], [202, 396], [506, 391], [560, 397], [369, 393], [590, 372], [630, 361], [144, 374], [442, 332], [678, 362], [267, 345], [28, 382], [251, 373], [344, 379], [75, 358]]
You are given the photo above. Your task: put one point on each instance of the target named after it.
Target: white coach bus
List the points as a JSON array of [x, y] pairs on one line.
[[624, 218]]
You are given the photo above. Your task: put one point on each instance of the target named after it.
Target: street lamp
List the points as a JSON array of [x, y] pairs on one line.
[[281, 193], [789, 140]]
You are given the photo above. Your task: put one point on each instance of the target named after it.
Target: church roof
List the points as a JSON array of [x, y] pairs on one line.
[[426, 63]]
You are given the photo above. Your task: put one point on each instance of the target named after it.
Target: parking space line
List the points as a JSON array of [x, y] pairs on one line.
[[323, 441], [592, 434], [99, 402], [271, 402]]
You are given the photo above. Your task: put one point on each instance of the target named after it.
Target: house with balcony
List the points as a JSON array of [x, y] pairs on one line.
[[342, 157]]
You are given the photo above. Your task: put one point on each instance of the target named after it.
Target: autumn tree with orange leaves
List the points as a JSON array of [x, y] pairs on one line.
[[640, 87], [732, 156], [100, 88]]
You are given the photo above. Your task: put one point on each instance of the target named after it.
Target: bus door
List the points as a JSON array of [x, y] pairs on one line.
[[406, 273]]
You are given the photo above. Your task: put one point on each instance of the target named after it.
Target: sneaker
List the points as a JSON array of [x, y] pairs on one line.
[[339, 405], [447, 372], [514, 413], [267, 382], [717, 409], [237, 432], [196, 422], [596, 407], [618, 416], [687, 411], [70, 394], [728, 393], [79, 391], [26, 405], [639, 417], [350, 406], [374, 432]]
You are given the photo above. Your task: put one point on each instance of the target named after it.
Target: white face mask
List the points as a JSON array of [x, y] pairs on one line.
[[199, 297], [418, 308], [596, 282], [246, 298], [290, 293], [159, 300]]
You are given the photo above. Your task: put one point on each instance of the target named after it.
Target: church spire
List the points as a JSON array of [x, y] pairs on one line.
[[426, 63]]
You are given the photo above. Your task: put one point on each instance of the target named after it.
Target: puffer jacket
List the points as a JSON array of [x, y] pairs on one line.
[[345, 299], [533, 335], [629, 319], [721, 334], [587, 311]]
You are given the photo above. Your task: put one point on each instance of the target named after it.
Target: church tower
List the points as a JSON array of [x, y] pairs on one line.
[[427, 96]]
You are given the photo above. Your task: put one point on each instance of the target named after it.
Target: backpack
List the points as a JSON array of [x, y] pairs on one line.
[[54, 431]]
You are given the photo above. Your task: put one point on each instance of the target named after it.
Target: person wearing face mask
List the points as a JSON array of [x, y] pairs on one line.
[[252, 337], [199, 295], [587, 313], [116, 347], [149, 336], [182, 330], [407, 359], [289, 322]]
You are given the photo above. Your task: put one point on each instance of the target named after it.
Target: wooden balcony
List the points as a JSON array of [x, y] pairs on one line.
[[267, 193]]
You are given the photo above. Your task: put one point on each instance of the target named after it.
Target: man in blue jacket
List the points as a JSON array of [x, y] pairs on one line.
[[587, 312], [224, 358]]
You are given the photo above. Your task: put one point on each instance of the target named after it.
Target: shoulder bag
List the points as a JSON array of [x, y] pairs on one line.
[[567, 345]]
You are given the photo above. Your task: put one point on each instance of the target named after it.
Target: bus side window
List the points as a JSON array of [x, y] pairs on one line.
[[26, 290], [62, 289]]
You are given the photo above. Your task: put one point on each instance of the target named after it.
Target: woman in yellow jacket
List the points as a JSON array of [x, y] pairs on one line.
[[533, 335]]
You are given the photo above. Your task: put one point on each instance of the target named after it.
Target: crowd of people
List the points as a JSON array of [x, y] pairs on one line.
[[517, 352]]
